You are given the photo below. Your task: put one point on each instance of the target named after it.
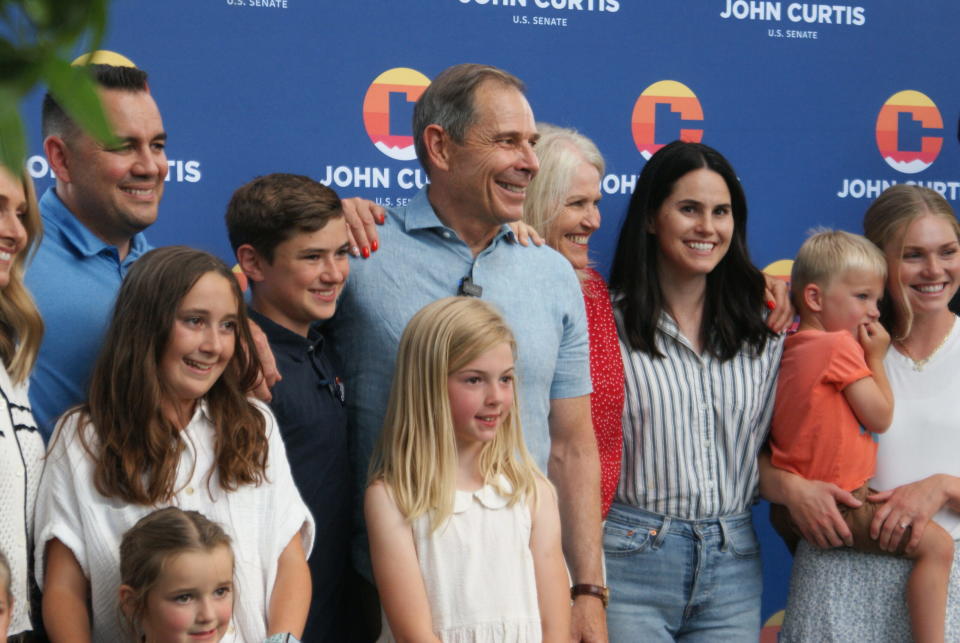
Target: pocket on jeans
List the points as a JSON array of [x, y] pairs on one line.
[[624, 540], [743, 541]]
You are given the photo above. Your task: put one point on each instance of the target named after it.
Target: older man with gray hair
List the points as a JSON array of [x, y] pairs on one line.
[[474, 133]]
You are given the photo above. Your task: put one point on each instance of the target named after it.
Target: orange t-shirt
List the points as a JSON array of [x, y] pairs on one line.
[[815, 433]]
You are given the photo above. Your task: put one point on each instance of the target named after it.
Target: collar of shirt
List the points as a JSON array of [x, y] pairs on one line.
[[420, 215], [57, 216], [282, 338]]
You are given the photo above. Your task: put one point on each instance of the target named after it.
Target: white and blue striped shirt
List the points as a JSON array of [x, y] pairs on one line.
[[692, 425]]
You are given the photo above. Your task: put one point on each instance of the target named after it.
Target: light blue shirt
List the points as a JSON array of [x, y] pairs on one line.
[[74, 278], [420, 260]]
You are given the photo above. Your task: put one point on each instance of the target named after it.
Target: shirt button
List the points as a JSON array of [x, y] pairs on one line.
[[446, 234], [189, 491]]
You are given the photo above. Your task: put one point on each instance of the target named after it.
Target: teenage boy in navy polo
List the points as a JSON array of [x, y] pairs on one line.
[[290, 240]]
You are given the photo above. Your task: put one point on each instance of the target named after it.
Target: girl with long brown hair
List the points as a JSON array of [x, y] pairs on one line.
[[167, 423]]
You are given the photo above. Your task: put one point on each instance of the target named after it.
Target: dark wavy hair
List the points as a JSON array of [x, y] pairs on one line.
[[123, 427], [733, 310]]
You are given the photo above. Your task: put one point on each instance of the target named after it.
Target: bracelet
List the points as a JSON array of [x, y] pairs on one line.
[[598, 591]]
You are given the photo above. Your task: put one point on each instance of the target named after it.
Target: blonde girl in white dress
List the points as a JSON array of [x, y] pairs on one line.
[[464, 529]]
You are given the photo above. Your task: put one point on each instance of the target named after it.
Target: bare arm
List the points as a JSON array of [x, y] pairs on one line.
[[871, 398], [395, 568], [66, 594], [553, 590], [574, 468], [812, 504], [290, 601]]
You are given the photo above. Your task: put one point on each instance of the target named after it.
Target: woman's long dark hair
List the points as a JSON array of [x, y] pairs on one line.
[[733, 309], [136, 447]]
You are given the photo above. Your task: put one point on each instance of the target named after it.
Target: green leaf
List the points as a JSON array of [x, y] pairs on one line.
[[76, 93], [13, 141]]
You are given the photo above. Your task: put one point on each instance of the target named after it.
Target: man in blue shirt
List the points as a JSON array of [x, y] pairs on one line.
[[474, 132], [93, 218]]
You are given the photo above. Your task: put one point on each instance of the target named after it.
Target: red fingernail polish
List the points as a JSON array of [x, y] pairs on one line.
[[375, 246], [771, 304], [365, 252], [383, 218]]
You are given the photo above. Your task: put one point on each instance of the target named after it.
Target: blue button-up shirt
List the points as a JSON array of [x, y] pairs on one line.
[[421, 260], [74, 278]]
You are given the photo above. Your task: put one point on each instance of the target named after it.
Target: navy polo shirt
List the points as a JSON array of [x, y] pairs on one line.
[[308, 404]]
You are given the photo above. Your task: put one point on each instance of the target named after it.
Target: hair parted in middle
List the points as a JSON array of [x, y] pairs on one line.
[[136, 447], [416, 453], [734, 302], [448, 102], [151, 542], [270, 209], [885, 223], [828, 254]]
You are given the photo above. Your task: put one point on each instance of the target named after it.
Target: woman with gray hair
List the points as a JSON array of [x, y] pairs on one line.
[[561, 204]]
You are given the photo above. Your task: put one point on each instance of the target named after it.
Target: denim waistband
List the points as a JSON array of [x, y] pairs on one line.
[[662, 525]]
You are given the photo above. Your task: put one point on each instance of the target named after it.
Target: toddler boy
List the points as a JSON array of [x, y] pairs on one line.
[[833, 396]]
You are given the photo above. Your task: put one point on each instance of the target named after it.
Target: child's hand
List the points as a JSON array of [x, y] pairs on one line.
[[874, 339]]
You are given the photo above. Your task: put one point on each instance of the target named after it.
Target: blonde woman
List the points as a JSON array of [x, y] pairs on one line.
[[562, 206], [464, 529], [21, 446], [841, 594]]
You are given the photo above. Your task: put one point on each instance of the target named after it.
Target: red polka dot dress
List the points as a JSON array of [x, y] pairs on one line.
[[606, 370]]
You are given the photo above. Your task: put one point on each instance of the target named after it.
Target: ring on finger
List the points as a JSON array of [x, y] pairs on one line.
[[904, 523]]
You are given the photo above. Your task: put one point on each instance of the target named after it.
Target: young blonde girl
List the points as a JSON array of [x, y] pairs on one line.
[[464, 529], [177, 572], [21, 445], [167, 423]]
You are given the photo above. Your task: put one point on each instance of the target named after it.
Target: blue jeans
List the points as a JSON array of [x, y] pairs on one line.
[[681, 580]]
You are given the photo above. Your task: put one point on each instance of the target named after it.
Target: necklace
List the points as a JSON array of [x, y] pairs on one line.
[[919, 364]]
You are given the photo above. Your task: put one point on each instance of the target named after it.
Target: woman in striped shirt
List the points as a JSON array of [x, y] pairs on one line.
[[700, 370]]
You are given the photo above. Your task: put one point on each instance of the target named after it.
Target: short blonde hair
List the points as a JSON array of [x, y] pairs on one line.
[[560, 151], [885, 224], [416, 454], [827, 254]]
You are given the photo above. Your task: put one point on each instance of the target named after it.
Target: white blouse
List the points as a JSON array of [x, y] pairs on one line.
[[21, 459], [260, 520]]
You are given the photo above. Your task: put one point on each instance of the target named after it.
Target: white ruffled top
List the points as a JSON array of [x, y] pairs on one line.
[[478, 571]]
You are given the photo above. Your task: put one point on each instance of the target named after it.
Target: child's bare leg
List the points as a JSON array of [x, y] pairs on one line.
[[927, 585]]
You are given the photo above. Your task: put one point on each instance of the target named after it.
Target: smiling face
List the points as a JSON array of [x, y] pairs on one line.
[[927, 266], [302, 283], [490, 170], [13, 236], [200, 344], [850, 300], [481, 395], [694, 225], [115, 190], [192, 601], [569, 232]]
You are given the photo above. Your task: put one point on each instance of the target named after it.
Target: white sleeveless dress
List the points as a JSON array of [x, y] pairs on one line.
[[478, 572]]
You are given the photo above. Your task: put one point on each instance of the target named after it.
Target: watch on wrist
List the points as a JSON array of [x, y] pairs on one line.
[[599, 591]]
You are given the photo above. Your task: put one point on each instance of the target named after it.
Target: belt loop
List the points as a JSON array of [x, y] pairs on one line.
[[662, 533], [724, 535]]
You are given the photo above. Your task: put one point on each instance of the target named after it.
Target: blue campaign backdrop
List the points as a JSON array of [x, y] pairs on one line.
[[818, 106]]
